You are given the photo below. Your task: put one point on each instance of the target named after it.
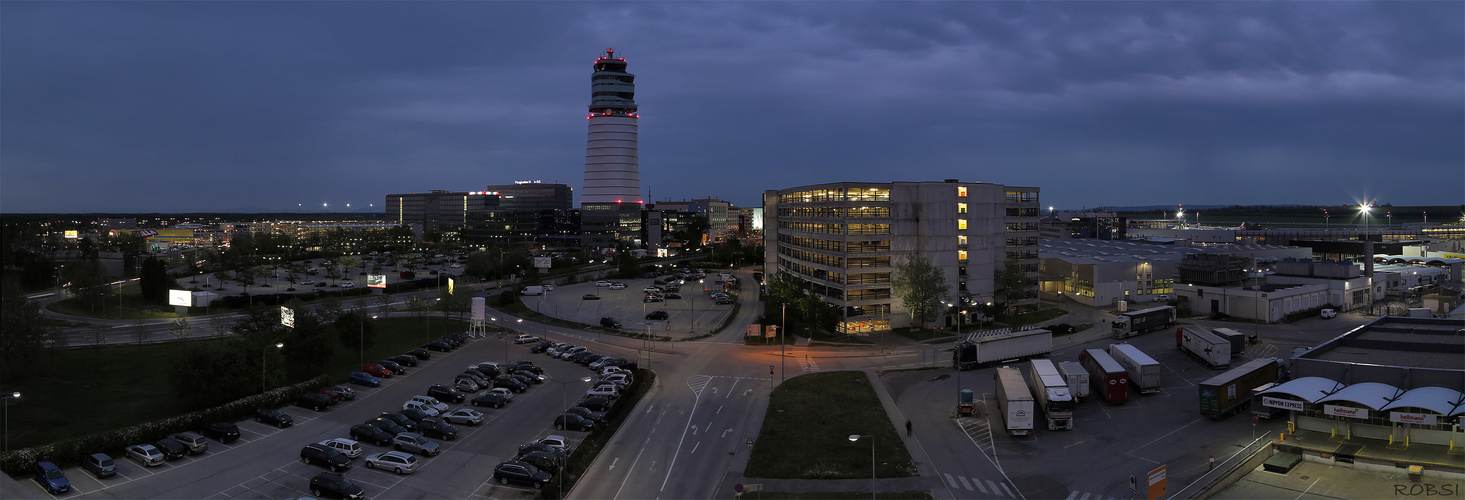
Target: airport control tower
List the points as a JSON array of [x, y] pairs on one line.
[[610, 206]]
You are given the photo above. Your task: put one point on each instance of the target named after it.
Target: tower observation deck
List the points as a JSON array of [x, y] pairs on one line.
[[612, 172]]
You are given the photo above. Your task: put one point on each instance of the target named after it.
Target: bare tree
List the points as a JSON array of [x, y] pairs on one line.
[[140, 331], [180, 328], [220, 325], [99, 334]]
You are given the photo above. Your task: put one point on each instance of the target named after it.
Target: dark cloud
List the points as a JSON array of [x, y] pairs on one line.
[[182, 106]]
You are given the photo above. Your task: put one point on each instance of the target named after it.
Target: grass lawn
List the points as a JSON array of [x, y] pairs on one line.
[[1035, 317], [806, 432], [67, 392], [923, 334]]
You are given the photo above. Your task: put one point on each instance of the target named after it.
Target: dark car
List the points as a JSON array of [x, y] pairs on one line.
[[483, 374], [454, 339], [526, 449], [273, 417], [589, 358], [420, 353], [404, 359], [594, 416], [401, 419], [440, 429], [332, 395], [476, 377], [543, 460], [525, 378], [445, 393], [415, 415], [313, 400], [526, 366], [657, 315], [488, 370], [51, 477], [595, 403], [316, 453], [223, 432], [171, 448], [609, 322], [672, 295], [437, 346], [490, 399], [335, 485], [366, 379], [394, 367], [370, 434], [590, 296], [534, 378], [542, 346], [510, 383], [100, 464], [387, 425], [573, 422], [520, 472], [583, 357]]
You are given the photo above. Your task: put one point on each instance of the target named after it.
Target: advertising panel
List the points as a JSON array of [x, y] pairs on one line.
[[287, 317], [1400, 417], [376, 281], [542, 262], [180, 298], [1345, 411], [450, 286], [1285, 404], [71, 235]]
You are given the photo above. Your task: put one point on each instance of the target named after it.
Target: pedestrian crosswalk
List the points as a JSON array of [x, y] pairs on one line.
[[1079, 495], [808, 364], [984, 486]]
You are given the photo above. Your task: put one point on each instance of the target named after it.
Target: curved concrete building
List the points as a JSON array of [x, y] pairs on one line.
[[611, 171]]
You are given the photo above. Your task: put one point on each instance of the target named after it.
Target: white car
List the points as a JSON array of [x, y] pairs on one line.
[[308, 282], [146, 454], [507, 394], [603, 283], [431, 401], [345, 446], [464, 416], [413, 405], [394, 461], [617, 286], [557, 442], [347, 284]]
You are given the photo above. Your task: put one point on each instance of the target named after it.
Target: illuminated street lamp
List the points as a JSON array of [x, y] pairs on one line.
[[262, 353], [856, 437], [7, 398]]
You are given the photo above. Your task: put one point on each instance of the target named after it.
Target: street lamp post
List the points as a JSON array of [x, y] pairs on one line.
[[519, 321], [7, 398], [856, 437], [564, 387], [262, 354]]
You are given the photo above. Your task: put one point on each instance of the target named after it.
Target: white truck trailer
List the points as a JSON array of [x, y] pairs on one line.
[[1077, 378], [980, 351], [1144, 371], [1208, 347], [1014, 401], [1051, 392]]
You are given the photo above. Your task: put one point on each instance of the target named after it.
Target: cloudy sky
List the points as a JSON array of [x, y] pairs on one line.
[[270, 106]]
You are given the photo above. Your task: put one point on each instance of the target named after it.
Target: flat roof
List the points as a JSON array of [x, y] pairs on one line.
[[1402, 342]]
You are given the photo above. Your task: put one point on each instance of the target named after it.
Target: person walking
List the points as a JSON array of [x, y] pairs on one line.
[[907, 428]]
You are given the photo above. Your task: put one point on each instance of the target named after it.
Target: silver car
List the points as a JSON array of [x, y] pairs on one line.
[[394, 461], [464, 416], [146, 454], [415, 443]]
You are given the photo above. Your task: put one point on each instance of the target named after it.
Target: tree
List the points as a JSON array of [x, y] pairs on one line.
[[23, 332], [310, 341], [355, 330], [180, 329], [153, 280], [1009, 285], [140, 331], [220, 325], [86, 281], [98, 334], [921, 287]]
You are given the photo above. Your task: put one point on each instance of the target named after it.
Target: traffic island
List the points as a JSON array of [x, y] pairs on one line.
[[807, 433]]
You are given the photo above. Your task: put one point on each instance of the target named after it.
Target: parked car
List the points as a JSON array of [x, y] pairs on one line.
[[444, 393], [465, 384], [395, 461], [100, 464], [724, 300], [377, 370], [476, 377], [595, 403], [145, 454], [437, 346], [273, 417], [366, 379], [557, 442], [573, 422], [415, 443], [401, 419], [542, 346], [192, 441], [533, 378], [493, 399], [391, 427], [1329, 313], [605, 391], [672, 295], [420, 353], [487, 368], [464, 416], [313, 400], [572, 351], [418, 414], [345, 391], [431, 402], [371, 433], [393, 366], [347, 284], [526, 366], [316, 453], [335, 485], [619, 378], [509, 383], [51, 478], [525, 338], [347, 447], [507, 394], [515, 471], [404, 359], [609, 322], [653, 298], [547, 461], [617, 286], [584, 357], [590, 296], [437, 428], [223, 432], [602, 283], [594, 416]]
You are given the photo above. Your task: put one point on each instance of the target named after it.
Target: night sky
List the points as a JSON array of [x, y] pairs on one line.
[[268, 106]]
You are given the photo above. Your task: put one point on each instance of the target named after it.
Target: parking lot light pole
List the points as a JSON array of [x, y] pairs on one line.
[[506, 343], [7, 398], [856, 437], [262, 354]]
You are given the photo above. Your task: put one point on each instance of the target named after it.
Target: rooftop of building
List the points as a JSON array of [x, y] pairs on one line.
[[1396, 341], [1081, 251]]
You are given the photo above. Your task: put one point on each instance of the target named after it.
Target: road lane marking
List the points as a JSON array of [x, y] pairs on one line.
[[694, 448], [979, 486], [1072, 494], [964, 483]]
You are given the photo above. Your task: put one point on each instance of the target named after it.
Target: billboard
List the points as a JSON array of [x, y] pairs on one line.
[[287, 317], [478, 308], [542, 262], [376, 281], [71, 235], [180, 298], [450, 286]]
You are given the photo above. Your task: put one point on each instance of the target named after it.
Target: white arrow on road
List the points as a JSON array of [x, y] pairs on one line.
[[724, 433], [613, 463], [694, 430]]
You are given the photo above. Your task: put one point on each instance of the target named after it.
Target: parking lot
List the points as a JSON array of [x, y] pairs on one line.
[[695, 313]]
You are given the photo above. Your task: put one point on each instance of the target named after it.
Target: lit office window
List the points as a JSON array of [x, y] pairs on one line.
[[961, 208], [961, 192], [961, 239], [961, 255], [961, 223]]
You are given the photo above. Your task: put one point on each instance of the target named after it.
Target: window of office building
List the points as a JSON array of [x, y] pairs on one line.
[[961, 208], [961, 192], [961, 224], [961, 239], [961, 255]]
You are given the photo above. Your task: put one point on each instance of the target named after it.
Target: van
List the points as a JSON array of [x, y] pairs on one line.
[[532, 290], [1329, 314]]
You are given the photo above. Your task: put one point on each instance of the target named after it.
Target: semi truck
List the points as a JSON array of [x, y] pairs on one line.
[[1051, 393], [986, 349], [1108, 378], [1077, 378], [1144, 371], [1133, 323], [1231, 392], [1208, 347], [1238, 339], [1014, 401]]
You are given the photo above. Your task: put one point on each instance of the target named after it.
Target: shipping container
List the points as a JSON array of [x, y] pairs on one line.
[[1144, 371], [1077, 378], [1231, 392], [1108, 378]]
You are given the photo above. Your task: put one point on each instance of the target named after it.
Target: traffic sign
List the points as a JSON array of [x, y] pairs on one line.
[[738, 487]]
